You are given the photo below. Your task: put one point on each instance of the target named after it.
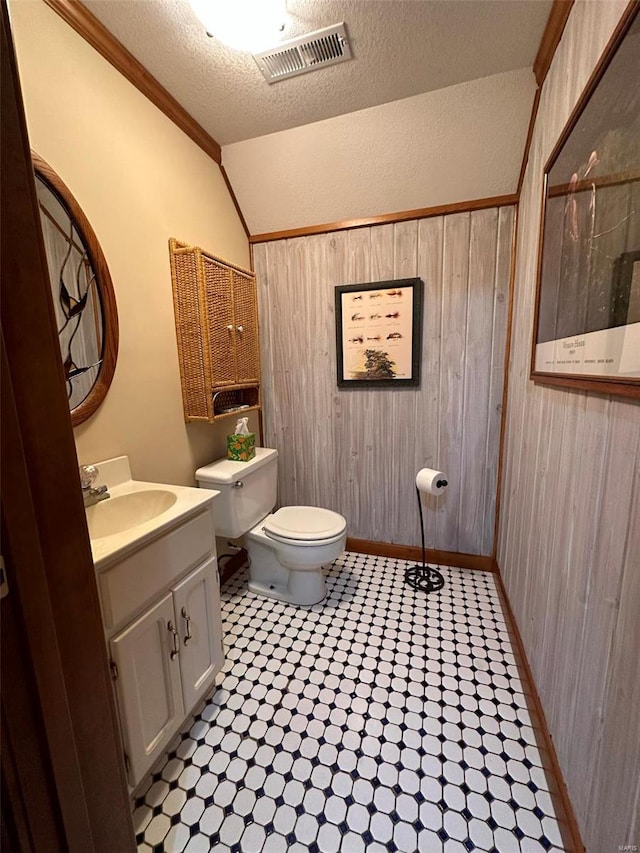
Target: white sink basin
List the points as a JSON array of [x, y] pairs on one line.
[[137, 512], [120, 513]]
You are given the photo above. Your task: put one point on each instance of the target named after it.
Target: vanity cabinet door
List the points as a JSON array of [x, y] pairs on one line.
[[197, 607], [148, 685]]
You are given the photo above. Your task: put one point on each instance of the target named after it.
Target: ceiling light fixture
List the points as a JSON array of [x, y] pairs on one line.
[[246, 25]]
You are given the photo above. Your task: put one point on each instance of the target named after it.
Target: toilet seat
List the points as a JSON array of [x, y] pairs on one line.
[[305, 526]]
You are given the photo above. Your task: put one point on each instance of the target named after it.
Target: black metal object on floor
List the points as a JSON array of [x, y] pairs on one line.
[[423, 578]]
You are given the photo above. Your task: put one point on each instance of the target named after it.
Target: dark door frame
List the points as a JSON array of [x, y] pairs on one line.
[[63, 774]]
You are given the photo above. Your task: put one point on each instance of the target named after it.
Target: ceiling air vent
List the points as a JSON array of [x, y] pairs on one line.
[[307, 53]]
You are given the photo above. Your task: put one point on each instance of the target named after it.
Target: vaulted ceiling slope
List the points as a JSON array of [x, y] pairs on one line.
[[365, 137], [456, 144]]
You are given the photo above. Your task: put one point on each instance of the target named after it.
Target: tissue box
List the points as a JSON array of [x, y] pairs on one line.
[[241, 448]]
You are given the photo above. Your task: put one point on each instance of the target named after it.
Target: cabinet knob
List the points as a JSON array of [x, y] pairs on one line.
[[240, 329], [229, 328]]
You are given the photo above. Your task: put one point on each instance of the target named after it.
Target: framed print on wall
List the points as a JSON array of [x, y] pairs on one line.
[[587, 322], [378, 333]]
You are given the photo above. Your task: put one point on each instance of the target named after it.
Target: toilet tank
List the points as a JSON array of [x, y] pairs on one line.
[[240, 507]]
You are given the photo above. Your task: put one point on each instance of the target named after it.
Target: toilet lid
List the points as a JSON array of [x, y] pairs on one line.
[[305, 523]]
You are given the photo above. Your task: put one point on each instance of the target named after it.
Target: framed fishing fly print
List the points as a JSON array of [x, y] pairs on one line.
[[378, 333], [587, 321]]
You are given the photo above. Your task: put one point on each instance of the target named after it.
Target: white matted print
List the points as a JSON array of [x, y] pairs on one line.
[[378, 333]]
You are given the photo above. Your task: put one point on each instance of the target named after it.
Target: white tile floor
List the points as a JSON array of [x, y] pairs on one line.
[[380, 720]]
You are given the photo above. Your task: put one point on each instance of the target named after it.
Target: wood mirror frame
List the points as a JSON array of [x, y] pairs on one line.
[[103, 289]]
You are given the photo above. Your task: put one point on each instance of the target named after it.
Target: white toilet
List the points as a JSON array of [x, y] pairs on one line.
[[287, 548]]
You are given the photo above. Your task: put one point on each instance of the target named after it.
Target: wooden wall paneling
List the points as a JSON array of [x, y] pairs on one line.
[[358, 449], [297, 339], [277, 430], [455, 279], [266, 287], [428, 418], [477, 378], [504, 244], [403, 440], [322, 354], [551, 680], [537, 579], [585, 508], [382, 258], [606, 559], [528, 483], [260, 265], [562, 550], [355, 478], [336, 272], [381, 463], [514, 487], [614, 802]]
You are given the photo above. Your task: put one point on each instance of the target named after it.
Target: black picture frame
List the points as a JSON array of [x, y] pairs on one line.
[[379, 333]]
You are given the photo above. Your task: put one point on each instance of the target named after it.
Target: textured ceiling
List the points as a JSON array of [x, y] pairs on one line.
[[401, 48]]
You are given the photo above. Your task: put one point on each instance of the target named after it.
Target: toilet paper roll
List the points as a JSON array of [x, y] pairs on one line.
[[430, 481]]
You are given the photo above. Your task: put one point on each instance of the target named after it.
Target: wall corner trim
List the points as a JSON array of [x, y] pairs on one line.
[[574, 840], [234, 200], [505, 385], [92, 31], [551, 36]]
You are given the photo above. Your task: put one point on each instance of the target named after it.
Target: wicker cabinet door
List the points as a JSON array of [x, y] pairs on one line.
[[245, 315], [220, 326]]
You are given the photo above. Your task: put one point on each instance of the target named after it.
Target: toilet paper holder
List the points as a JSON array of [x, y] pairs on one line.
[[426, 578]]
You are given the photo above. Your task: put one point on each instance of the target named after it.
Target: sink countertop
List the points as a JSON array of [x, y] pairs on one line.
[[189, 501]]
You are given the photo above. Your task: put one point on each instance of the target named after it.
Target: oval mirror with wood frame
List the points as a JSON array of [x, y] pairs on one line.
[[83, 296]]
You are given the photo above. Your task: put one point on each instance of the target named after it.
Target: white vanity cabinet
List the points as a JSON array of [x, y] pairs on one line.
[[199, 630], [161, 611], [165, 660], [147, 685]]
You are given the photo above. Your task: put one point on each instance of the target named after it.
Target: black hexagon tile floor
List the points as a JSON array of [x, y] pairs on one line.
[[380, 720]]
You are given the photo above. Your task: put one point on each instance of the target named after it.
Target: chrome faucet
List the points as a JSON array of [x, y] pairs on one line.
[[90, 493]]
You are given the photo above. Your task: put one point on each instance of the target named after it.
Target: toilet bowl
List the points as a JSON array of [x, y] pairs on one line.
[[287, 548]]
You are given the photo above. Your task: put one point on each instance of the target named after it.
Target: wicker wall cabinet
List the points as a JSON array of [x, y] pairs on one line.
[[216, 311]]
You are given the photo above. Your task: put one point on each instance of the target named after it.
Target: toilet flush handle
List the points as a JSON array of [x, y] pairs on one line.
[[238, 484]]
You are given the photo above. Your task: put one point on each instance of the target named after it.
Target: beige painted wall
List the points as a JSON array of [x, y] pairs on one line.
[[569, 540], [139, 180]]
